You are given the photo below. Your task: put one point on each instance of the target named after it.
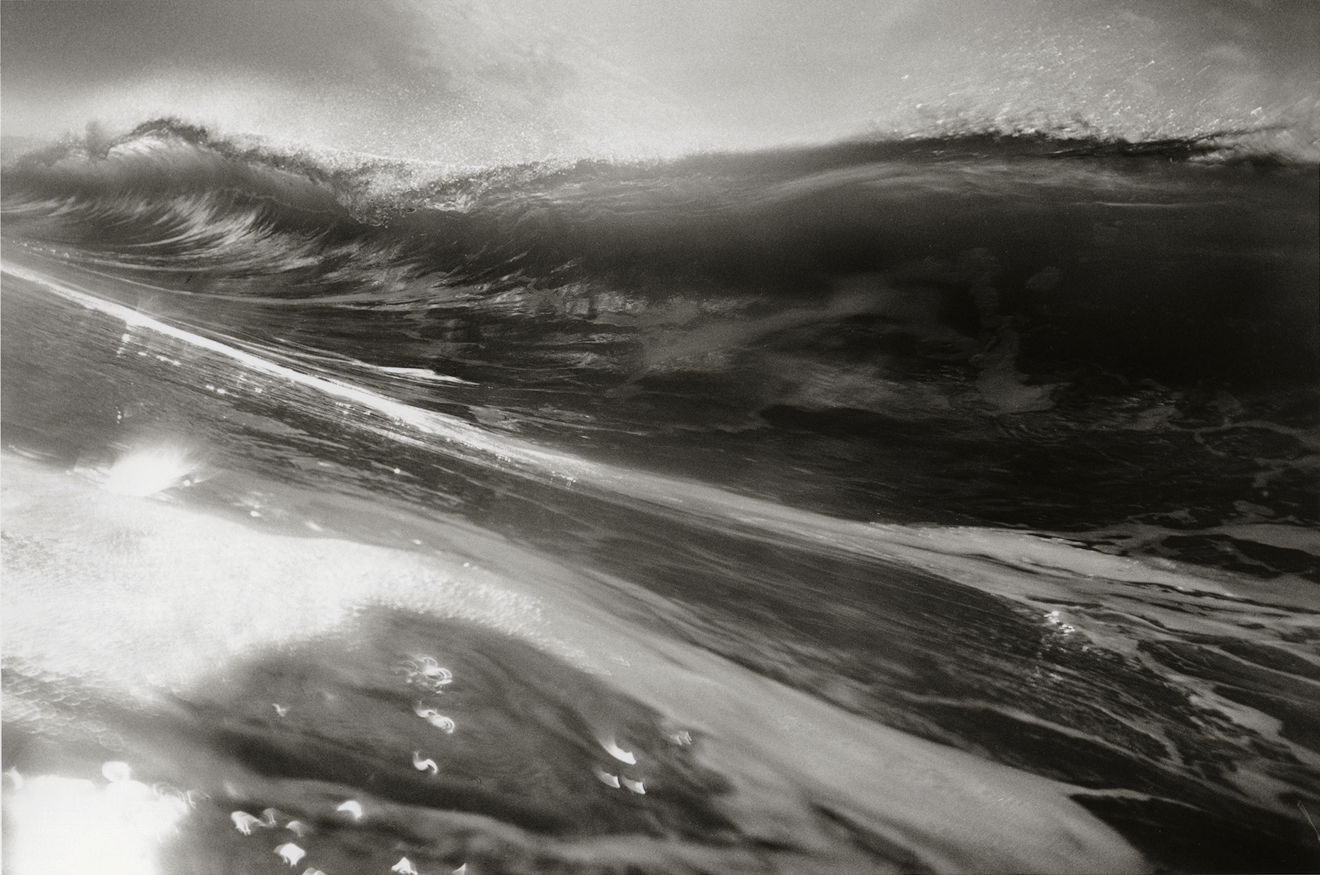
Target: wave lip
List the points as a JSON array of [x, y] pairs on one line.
[[1163, 259]]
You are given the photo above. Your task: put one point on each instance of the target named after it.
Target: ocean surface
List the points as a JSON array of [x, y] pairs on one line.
[[914, 505]]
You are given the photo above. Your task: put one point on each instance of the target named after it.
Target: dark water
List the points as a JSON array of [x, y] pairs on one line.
[[923, 505]]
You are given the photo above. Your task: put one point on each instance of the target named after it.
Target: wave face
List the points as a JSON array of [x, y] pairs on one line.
[[669, 516]]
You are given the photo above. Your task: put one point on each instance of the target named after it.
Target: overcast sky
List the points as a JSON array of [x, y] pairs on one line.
[[507, 80]]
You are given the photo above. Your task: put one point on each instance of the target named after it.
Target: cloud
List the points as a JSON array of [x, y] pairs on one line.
[[481, 81], [79, 45], [367, 75]]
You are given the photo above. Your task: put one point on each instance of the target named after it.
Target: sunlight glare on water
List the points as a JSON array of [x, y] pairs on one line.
[[148, 470], [73, 826]]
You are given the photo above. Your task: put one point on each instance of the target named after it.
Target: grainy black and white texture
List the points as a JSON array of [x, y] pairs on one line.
[[941, 500]]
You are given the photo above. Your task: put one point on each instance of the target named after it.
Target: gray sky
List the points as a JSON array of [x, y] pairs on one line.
[[509, 80]]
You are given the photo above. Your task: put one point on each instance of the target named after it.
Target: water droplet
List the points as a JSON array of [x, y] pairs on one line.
[[291, 853]]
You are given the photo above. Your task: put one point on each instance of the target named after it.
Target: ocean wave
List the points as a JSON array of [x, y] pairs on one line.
[[739, 439], [1122, 677], [1139, 256], [323, 188]]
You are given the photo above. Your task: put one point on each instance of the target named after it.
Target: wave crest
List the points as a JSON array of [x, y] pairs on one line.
[[988, 227]]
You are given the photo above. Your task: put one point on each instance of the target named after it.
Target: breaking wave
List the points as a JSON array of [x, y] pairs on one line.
[[771, 511]]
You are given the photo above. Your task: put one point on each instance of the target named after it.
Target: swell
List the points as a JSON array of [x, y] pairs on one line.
[[781, 219], [1045, 317], [1048, 318], [1048, 658], [1171, 260]]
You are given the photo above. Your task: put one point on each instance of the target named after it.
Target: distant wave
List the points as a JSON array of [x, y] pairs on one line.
[[1039, 213], [302, 188]]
